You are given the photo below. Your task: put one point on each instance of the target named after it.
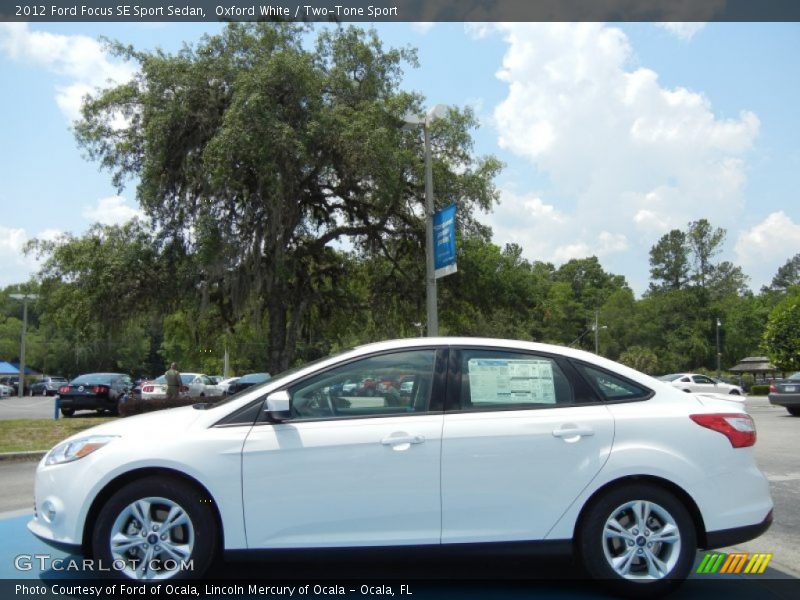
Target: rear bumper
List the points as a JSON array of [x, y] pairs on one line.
[[785, 399], [87, 403], [736, 535]]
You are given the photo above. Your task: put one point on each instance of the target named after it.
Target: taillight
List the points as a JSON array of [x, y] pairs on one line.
[[147, 388], [100, 389], [739, 428], [773, 389], [64, 389]]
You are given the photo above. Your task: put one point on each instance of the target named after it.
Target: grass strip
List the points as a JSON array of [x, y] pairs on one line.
[[26, 435]]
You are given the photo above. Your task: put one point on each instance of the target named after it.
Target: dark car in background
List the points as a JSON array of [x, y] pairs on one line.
[[47, 386], [786, 393], [246, 381], [13, 382], [94, 391]]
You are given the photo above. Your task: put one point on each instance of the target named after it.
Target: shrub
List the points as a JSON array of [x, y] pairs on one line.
[[759, 389], [130, 406]]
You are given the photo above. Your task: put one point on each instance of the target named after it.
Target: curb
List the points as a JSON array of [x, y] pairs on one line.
[[21, 456]]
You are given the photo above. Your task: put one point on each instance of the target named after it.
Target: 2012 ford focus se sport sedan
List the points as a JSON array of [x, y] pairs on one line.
[[467, 441]]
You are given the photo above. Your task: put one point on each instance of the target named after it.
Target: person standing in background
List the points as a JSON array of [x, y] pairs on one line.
[[173, 378]]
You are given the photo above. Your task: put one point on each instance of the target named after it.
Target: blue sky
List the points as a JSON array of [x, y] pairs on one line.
[[612, 134]]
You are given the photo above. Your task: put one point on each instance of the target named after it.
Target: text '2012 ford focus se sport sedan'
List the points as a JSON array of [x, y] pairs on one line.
[[467, 441]]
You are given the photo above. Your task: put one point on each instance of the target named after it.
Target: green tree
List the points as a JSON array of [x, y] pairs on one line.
[[704, 242], [782, 335], [268, 153], [788, 275], [669, 261], [640, 358]]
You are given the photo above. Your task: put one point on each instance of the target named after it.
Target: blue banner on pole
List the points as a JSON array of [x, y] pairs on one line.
[[444, 241]]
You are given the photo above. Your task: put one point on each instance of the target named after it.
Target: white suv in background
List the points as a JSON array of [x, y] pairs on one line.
[[495, 442]]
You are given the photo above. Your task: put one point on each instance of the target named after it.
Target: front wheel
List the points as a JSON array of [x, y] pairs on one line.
[[639, 539], [156, 528]]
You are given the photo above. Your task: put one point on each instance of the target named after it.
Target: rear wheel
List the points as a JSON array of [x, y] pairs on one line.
[[152, 528], [734, 392], [794, 410], [67, 412], [639, 539]]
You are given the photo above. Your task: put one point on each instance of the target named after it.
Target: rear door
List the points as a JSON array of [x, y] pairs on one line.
[[523, 435]]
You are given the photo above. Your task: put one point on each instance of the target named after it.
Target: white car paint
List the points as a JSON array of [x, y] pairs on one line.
[[199, 386], [424, 478]]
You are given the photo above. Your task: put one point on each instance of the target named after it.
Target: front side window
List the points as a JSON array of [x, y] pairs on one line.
[[387, 384], [496, 380], [702, 379]]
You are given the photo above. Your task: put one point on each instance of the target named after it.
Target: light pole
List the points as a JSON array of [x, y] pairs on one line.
[[24, 298], [437, 112], [719, 354], [597, 329]]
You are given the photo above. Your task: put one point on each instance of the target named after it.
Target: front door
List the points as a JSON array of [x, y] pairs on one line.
[[350, 468]]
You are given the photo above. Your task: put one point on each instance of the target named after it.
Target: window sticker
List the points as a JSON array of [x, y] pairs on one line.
[[509, 381]]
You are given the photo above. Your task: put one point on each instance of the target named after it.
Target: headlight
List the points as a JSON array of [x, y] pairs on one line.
[[75, 449]]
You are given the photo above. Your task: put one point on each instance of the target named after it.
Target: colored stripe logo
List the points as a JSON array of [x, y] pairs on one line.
[[734, 563]]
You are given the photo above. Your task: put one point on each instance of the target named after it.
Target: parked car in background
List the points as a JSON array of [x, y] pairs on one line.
[[193, 385], [93, 391], [696, 382], [786, 393], [6, 391], [225, 383], [13, 382], [47, 386], [502, 444], [246, 381]]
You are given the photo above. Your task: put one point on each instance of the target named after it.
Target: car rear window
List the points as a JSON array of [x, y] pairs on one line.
[[613, 387], [94, 379]]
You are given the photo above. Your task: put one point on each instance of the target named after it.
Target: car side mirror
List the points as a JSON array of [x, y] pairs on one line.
[[279, 405]]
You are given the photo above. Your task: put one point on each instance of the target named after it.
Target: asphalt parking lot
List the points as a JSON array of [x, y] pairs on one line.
[[504, 578]]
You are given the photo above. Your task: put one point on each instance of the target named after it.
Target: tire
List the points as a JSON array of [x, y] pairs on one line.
[[67, 412], [154, 499], [734, 393], [688, 391], [794, 410], [642, 567]]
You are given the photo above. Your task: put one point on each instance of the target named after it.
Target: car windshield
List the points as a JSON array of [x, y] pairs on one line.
[[671, 377], [186, 378], [276, 379], [254, 378], [95, 379]]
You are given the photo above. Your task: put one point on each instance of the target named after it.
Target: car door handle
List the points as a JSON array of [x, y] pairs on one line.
[[403, 439], [573, 432]]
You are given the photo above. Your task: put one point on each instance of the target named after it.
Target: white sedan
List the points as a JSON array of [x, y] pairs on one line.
[[497, 442], [193, 385], [695, 382]]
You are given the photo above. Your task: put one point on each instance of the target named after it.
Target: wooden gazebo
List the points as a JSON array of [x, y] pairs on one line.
[[756, 365]]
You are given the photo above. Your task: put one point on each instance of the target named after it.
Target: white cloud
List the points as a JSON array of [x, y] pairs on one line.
[[628, 153], [80, 61], [683, 31], [547, 234], [111, 211], [767, 246], [15, 265], [423, 27]]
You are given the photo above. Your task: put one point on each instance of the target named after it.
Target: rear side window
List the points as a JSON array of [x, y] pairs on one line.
[[496, 380], [613, 387]]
